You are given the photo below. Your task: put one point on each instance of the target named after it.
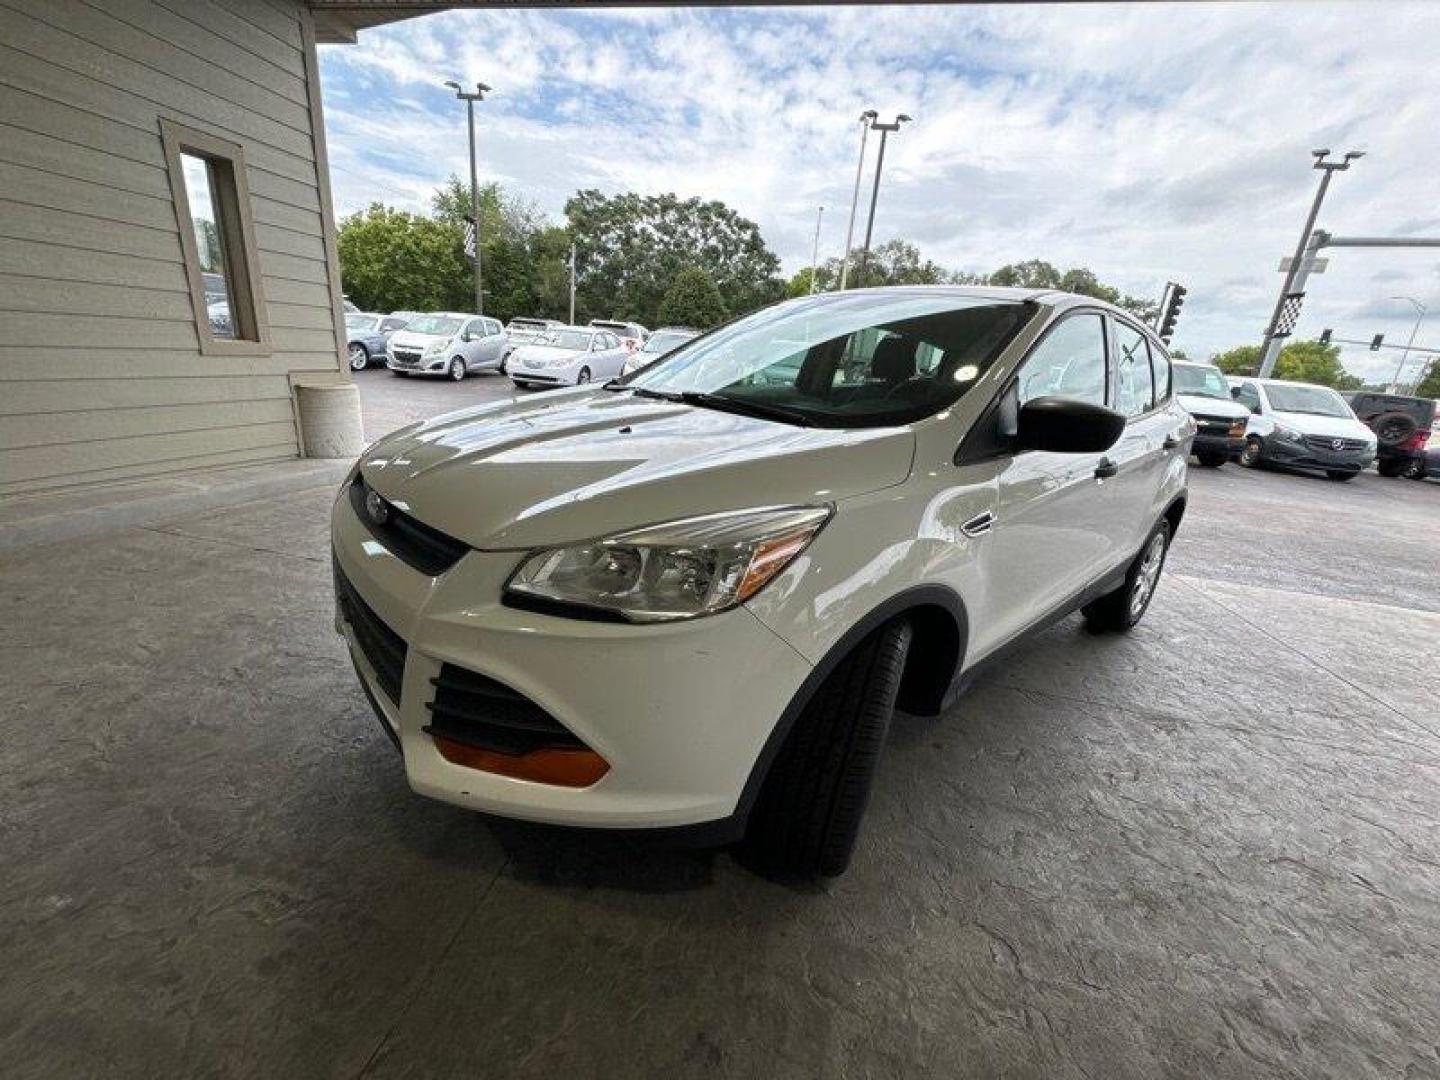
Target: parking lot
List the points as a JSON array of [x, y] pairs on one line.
[[1204, 849]]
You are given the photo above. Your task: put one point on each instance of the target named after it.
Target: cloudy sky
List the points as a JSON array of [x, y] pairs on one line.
[[1147, 142]]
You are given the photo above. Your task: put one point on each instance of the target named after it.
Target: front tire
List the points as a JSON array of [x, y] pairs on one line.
[[807, 816], [1212, 459], [1392, 467], [1118, 611], [456, 370], [583, 377], [359, 357], [1250, 455]]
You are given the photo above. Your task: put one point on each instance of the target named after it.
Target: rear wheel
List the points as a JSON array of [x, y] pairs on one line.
[[1250, 455], [1392, 467], [1118, 611], [359, 357], [807, 816], [1212, 459], [456, 370], [1339, 475]]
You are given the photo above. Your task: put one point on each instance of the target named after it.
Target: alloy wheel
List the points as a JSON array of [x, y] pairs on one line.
[[1148, 576], [457, 369], [359, 358]]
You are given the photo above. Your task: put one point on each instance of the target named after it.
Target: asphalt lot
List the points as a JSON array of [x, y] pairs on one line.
[[1208, 848]]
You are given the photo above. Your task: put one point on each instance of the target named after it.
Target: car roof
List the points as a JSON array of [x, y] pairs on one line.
[[1287, 382], [1056, 299]]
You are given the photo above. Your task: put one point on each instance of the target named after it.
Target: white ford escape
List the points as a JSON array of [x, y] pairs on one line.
[[692, 598]]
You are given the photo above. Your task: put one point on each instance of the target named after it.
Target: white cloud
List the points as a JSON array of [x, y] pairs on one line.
[[1147, 142]]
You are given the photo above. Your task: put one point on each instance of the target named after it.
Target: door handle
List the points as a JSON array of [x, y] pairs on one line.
[[1106, 469], [1171, 442]]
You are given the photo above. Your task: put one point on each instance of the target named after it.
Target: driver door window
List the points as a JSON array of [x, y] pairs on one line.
[[1248, 396], [1069, 362]]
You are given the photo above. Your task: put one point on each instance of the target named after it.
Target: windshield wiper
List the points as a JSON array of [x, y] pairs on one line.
[[744, 407]]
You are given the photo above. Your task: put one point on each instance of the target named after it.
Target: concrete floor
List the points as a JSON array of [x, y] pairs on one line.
[[1205, 849]]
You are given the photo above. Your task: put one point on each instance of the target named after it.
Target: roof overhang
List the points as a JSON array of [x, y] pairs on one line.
[[338, 21]]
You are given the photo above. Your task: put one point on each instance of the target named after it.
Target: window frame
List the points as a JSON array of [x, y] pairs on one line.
[[236, 226], [1156, 404]]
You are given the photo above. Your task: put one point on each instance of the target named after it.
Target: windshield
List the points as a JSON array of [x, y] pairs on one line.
[[663, 342], [360, 322], [1201, 381], [844, 359], [575, 340], [1315, 400], [434, 324]]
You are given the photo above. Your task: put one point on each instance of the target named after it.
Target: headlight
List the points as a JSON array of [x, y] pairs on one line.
[[1288, 434], [679, 570], [437, 347]]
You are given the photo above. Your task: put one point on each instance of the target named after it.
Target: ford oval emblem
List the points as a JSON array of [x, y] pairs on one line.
[[376, 508]]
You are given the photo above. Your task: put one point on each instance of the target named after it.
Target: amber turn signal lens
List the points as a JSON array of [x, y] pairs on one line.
[[771, 556], [562, 767]]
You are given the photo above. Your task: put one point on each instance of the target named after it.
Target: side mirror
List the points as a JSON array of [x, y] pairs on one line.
[[467, 336], [1066, 426]]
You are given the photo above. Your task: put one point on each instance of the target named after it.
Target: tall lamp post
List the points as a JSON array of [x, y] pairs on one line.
[[815, 248], [470, 98], [1420, 310], [885, 130], [1287, 307], [866, 119]]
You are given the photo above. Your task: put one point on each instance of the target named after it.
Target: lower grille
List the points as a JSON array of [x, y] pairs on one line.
[[384, 648], [1326, 442], [405, 357], [474, 709]]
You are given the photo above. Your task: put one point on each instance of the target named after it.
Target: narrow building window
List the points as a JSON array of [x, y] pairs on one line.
[[212, 208]]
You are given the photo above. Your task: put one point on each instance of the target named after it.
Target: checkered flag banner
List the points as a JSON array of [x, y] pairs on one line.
[[469, 237], [1289, 314]]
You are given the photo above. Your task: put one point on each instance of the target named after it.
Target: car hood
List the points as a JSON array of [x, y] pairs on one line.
[[409, 339], [573, 465], [546, 353], [1210, 406], [1336, 426]]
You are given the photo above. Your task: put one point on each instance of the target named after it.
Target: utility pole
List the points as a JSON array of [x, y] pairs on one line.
[[572, 284], [1420, 310], [1292, 294], [885, 130], [815, 248], [470, 99], [866, 119]]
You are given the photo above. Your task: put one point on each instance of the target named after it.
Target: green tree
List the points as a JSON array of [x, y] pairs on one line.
[[1300, 361], [392, 260], [631, 247], [693, 299], [1039, 274]]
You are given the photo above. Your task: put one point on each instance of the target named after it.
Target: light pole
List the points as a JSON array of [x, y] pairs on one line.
[[815, 248], [866, 119], [470, 98], [1287, 307], [1420, 310], [572, 284], [885, 130]]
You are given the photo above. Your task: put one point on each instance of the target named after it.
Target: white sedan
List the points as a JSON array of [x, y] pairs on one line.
[[568, 356]]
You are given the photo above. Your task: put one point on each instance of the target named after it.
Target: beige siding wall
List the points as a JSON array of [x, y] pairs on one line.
[[101, 374]]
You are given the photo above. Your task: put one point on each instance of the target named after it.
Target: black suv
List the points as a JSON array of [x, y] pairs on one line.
[[1401, 425]]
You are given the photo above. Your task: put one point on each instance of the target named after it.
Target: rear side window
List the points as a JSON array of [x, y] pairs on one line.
[[1069, 362], [1134, 381]]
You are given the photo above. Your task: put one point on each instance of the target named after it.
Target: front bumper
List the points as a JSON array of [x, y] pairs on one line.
[[1205, 443], [432, 365], [1306, 456], [680, 711]]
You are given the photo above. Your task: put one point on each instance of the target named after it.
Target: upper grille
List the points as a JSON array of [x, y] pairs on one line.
[[1327, 442], [384, 648], [414, 543], [474, 709]]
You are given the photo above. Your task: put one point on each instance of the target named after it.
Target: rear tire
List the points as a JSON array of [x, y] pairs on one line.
[[1212, 459], [1392, 467], [1393, 428], [1339, 475], [807, 817], [1250, 455], [1118, 611]]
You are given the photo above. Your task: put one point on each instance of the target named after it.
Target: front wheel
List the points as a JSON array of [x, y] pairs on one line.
[[807, 816], [1250, 455], [583, 377], [1212, 459], [1339, 475], [456, 371], [1118, 611], [1392, 467], [359, 357]]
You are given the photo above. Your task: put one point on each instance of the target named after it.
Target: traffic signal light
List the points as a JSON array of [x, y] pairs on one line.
[[1376, 342], [1325, 336], [1173, 302]]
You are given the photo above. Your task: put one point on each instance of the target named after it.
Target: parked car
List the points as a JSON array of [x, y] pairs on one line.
[[525, 331], [448, 343], [1427, 466], [1220, 421], [691, 601], [1301, 426], [660, 343], [568, 356], [367, 336], [632, 334], [349, 305], [1402, 426]]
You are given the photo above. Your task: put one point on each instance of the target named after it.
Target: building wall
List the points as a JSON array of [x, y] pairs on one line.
[[101, 373]]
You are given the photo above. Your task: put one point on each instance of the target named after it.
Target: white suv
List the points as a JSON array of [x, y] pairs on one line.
[[1301, 426], [691, 599]]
